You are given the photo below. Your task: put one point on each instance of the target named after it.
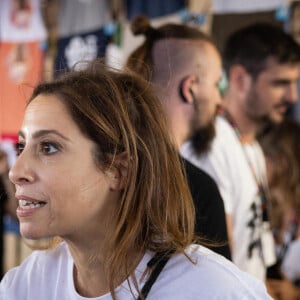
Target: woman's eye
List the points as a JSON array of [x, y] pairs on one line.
[[19, 148], [49, 148]]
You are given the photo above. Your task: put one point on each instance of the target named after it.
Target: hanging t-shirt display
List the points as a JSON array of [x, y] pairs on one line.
[[77, 16], [22, 33], [81, 32], [20, 69], [21, 21], [80, 47]]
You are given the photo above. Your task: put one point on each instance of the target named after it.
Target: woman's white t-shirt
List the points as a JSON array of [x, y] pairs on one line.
[[48, 275]]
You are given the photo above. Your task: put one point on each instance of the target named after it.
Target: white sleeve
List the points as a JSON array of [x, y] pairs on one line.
[[290, 265]]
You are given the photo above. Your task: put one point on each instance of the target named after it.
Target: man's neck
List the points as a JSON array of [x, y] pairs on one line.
[[247, 128], [177, 139], [178, 129]]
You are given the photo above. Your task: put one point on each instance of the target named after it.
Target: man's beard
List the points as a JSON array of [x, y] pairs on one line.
[[254, 99], [202, 138]]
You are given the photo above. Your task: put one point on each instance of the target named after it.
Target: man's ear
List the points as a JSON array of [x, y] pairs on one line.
[[240, 79], [185, 89], [119, 171]]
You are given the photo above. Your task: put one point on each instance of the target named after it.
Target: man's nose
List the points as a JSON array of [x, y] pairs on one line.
[[292, 93]]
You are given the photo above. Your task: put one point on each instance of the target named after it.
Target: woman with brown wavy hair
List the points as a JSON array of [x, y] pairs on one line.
[[281, 146], [97, 169]]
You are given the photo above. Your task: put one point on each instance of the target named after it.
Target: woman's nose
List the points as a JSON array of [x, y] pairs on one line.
[[21, 172]]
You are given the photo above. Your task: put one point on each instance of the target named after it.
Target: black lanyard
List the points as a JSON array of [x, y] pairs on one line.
[[156, 264]]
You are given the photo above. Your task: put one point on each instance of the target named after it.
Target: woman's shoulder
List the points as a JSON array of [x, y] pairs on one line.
[[37, 266], [203, 274]]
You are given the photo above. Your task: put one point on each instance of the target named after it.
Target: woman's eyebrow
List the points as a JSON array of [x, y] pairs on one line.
[[41, 133]]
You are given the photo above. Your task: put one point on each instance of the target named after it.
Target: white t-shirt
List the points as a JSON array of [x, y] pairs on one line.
[[26, 26], [226, 162], [48, 275]]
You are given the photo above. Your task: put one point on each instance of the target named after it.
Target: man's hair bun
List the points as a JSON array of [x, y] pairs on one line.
[[141, 25]]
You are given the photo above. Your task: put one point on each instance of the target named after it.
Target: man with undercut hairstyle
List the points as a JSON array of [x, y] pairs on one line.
[[262, 65], [184, 68]]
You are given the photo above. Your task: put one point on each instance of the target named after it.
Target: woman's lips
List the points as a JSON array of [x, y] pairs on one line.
[[27, 206]]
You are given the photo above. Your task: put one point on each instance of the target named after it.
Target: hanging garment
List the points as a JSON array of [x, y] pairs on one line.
[[21, 23], [77, 16], [21, 66], [80, 47]]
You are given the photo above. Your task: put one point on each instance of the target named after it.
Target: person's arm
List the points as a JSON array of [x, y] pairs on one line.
[[282, 289], [229, 231]]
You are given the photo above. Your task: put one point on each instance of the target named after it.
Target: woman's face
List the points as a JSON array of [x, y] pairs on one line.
[[60, 190]]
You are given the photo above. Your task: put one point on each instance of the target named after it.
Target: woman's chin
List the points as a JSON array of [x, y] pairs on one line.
[[30, 233]]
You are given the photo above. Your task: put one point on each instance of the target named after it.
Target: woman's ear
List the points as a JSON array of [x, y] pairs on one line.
[[119, 171]]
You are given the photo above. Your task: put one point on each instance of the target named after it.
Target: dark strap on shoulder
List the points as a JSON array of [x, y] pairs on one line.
[[157, 263]]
